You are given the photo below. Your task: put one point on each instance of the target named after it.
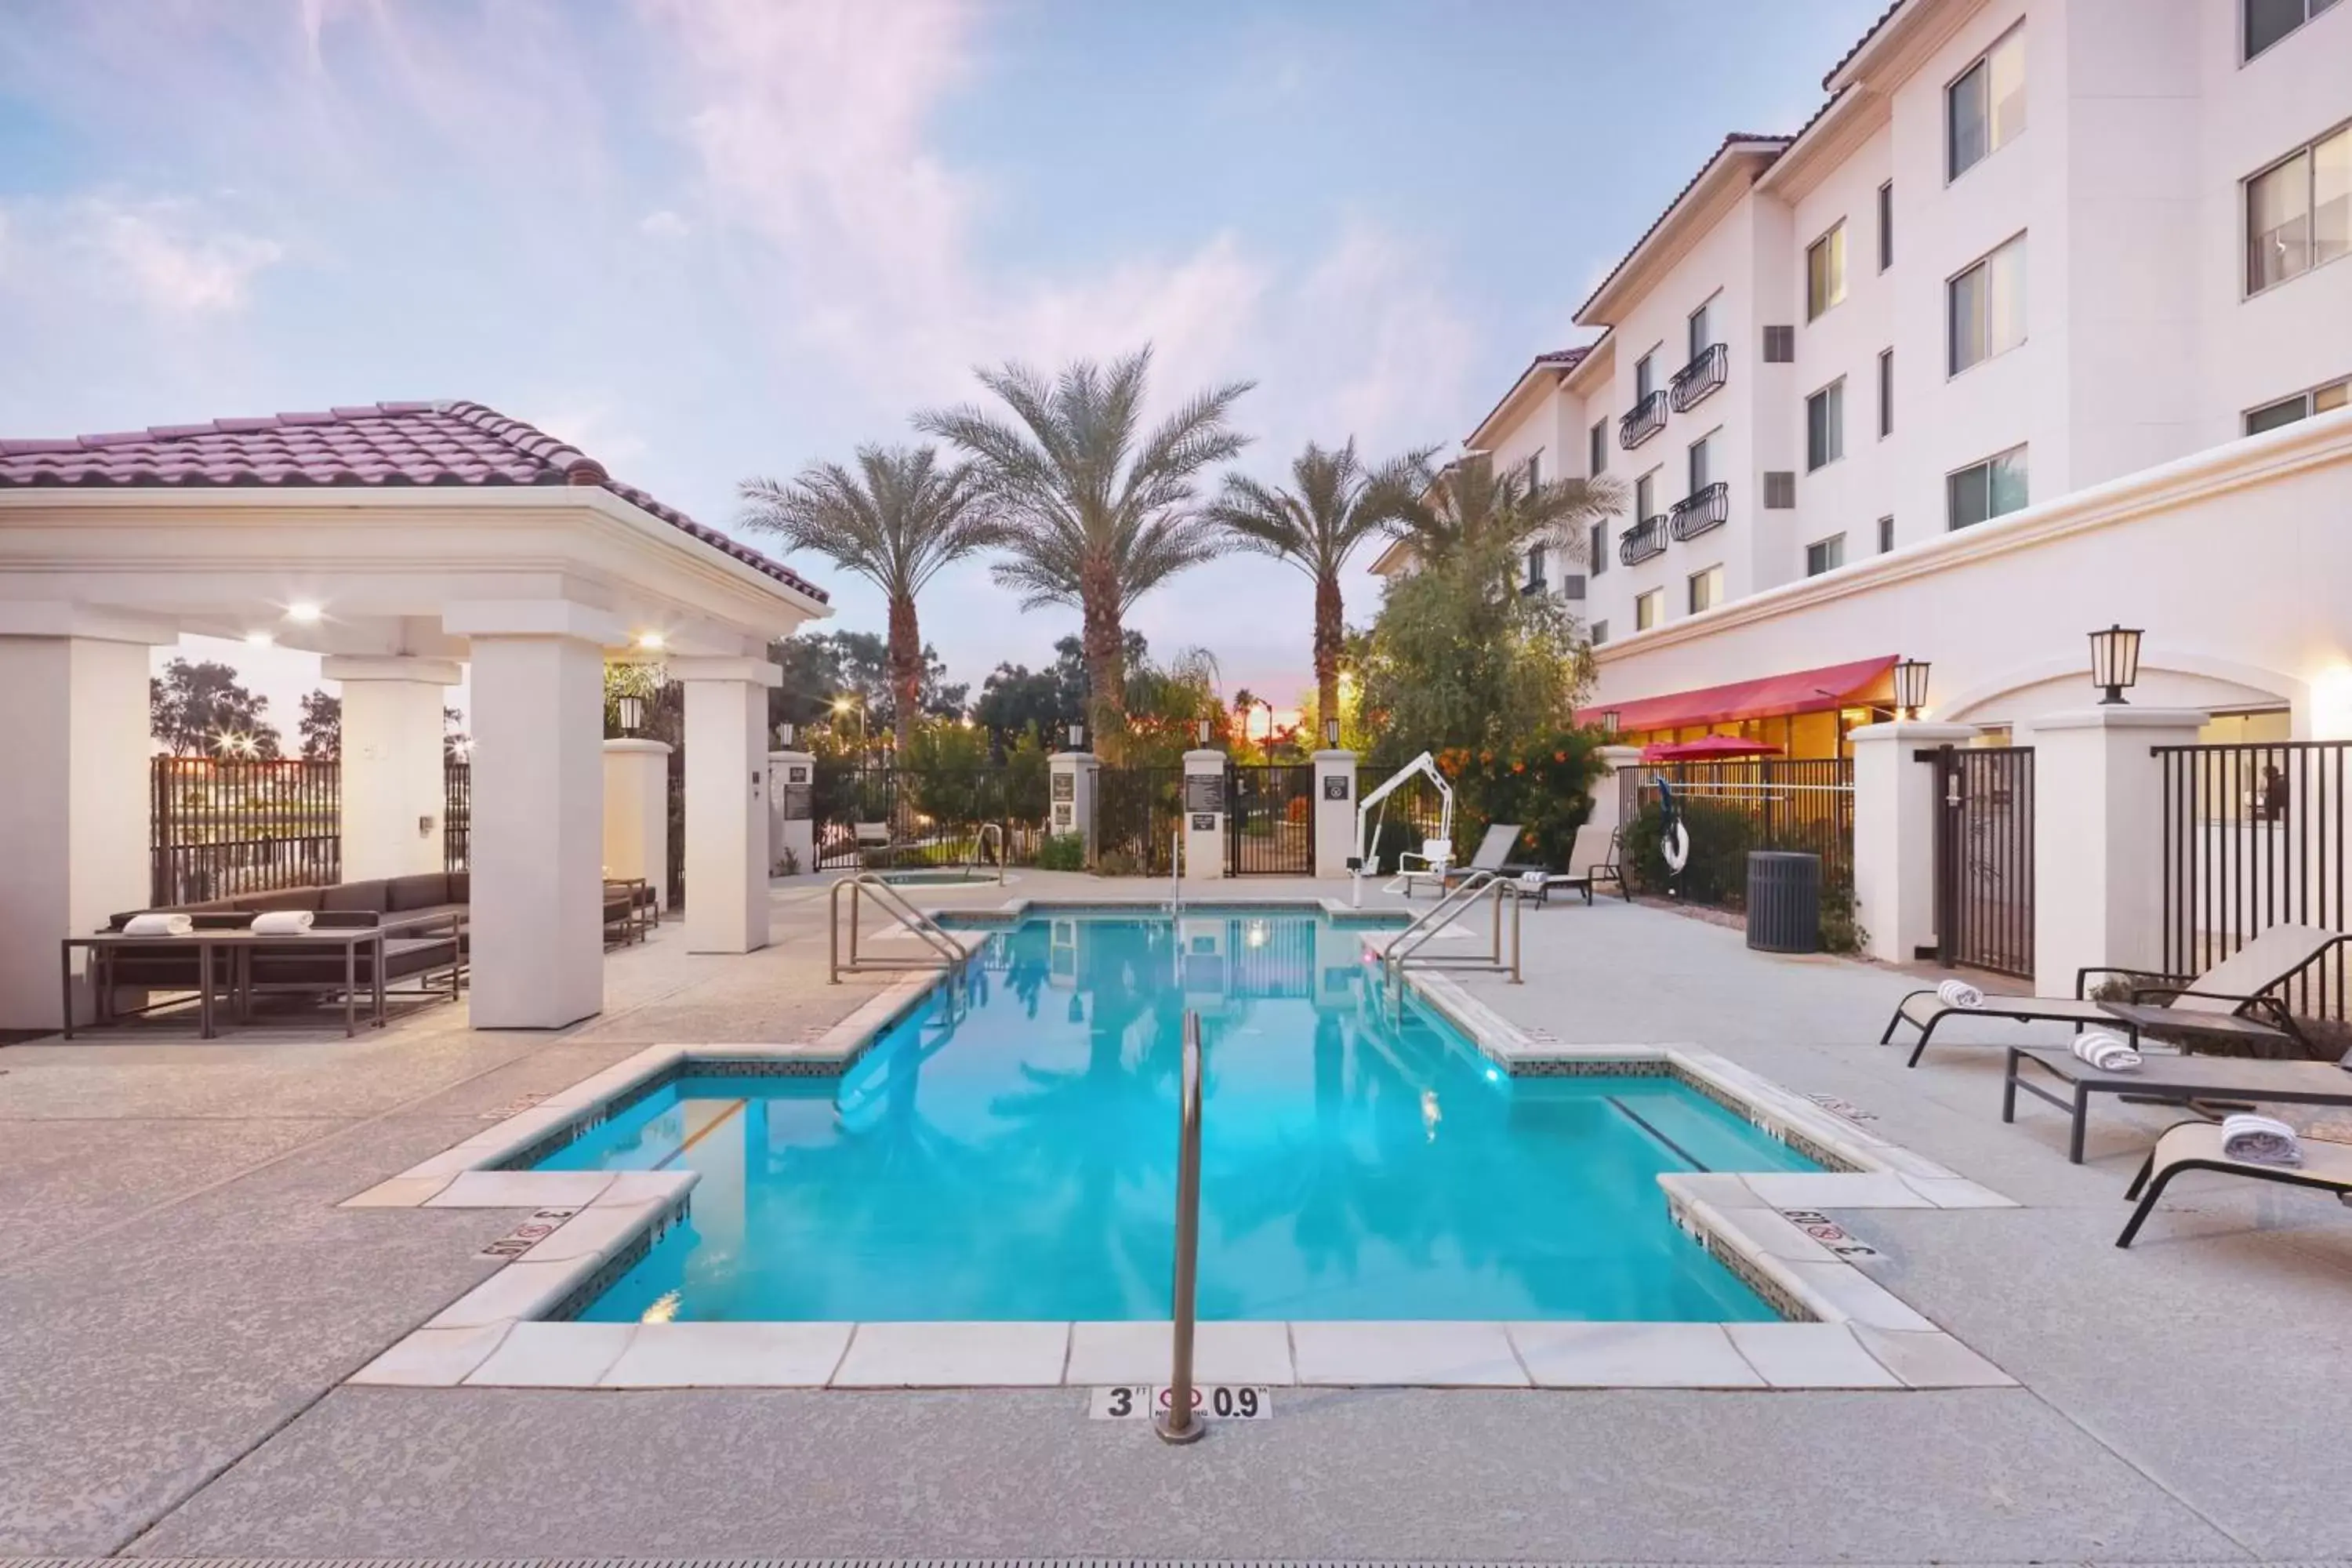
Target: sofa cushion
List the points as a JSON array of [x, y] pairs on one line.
[[283, 899], [461, 886], [354, 896], [418, 892]]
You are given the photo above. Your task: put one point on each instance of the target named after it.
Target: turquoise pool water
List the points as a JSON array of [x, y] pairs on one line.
[[1009, 1153]]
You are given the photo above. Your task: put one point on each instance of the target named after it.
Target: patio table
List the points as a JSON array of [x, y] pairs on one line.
[[239, 945], [2169, 1080]]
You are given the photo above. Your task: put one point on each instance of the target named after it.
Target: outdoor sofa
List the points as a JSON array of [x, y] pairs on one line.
[[2197, 1146], [2233, 998], [432, 906]]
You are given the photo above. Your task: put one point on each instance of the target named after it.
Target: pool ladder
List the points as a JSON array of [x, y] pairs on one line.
[[1405, 947], [945, 951], [980, 842]]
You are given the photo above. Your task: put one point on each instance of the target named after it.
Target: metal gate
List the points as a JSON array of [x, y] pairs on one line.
[[1270, 820], [1984, 857], [1136, 814]]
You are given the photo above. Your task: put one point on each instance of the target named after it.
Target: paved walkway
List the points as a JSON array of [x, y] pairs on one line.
[[180, 1299]]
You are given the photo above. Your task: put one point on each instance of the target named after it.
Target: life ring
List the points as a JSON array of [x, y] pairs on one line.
[[1674, 845]]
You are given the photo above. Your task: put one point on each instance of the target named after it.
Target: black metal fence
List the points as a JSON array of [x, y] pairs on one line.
[[2254, 837], [893, 816], [221, 827], [1270, 820], [1137, 812], [1411, 815], [456, 815], [1984, 857], [1730, 807]]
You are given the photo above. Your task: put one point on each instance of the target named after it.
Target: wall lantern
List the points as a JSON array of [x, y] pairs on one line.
[[784, 734], [1332, 734], [1200, 728], [2115, 661], [1609, 721], [632, 713], [1911, 686], [1078, 737]]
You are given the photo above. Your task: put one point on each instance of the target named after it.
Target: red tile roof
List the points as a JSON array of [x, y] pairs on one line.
[[369, 446], [1560, 360], [1775, 145]]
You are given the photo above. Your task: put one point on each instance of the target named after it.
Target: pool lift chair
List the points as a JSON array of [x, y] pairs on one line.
[[1434, 855]]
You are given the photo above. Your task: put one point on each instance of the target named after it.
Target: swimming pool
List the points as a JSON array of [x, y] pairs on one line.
[[1006, 1151]]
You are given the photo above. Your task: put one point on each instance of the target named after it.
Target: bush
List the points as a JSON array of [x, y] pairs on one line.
[[1543, 783], [1117, 863], [1716, 872], [1063, 852]]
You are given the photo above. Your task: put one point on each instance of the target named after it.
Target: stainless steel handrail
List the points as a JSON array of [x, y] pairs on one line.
[[894, 903], [1176, 872], [1180, 1423], [1481, 884], [980, 840]]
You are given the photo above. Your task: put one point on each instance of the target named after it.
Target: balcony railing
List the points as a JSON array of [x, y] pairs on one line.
[[1643, 540], [1702, 375], [1648, 418], [1700, 510]]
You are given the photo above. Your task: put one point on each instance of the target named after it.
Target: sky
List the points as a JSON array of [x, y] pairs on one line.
[[705, 240]]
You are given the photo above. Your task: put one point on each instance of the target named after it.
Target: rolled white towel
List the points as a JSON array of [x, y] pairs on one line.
[[2260, 1140], [281, 923], [1959, 993], [1531, 881], [159, 924], [2106, 1052]]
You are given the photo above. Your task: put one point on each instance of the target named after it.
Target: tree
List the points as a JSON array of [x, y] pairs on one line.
[[1334, 504], [1458, 659], [203, 709], [321, 726], [1095, 512], [455, 741], [1467, 507], [895, 522]]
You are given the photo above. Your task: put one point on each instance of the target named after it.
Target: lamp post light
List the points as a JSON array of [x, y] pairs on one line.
[[852, 705], [1200, 729], [1610, 718], [631, 710], [2115, 661], [785, 732], [1911, 686], [1077, 736], [1331, 734]]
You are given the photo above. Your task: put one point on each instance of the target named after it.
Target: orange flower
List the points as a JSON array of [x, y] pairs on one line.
[[1487, 758], [1559, 756], [1519, 767]]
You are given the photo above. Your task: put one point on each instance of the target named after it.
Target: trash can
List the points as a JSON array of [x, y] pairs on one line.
[[1784, 901]]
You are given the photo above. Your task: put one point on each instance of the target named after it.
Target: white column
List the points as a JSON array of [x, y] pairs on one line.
[[394, 788], [1894, 807], [1071, 777], [726, 801], [1335, 812], [538, 896], [1205, 831], [636, 812], [2098, 835], [790, 776], [73, 827], [1609, 788]]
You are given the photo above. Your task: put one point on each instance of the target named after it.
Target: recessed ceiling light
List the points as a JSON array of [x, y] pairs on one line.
[[649, 639], [306, 614]]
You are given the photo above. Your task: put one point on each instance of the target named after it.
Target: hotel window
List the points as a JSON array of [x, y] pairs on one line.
[[1886, 391], [1702, 462], [1645, 497], [1825, 426], [1887, 225], [1706, 589], [1886, 534], [1646, 377], [1535, 584], [1535, 471], [1597, 547], [1825, 555], [1984, 490], [1597, 459], [1600, 633], [1984, 109], [1702, 330], [2268, 21], [2299, 212], [1988, 307], [1825, 271], [2301, 405], [1649, 609]]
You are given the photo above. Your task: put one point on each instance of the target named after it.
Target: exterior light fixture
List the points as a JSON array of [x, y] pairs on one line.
[[632, 712], [784, 734], [1911, 686], [1077, 736], [649, 640], [2115, 661], [259, 639], [1201, 731], [1332, 734], [1609, 721], [304, 615]]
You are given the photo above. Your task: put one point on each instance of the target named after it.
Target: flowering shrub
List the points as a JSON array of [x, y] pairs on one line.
[[1543, 784]]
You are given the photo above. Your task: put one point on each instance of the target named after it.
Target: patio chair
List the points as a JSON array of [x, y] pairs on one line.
[[1592, 858], [1434, 856], [2197, 1146], [2233, 997], [1492, 851], [879, 839]]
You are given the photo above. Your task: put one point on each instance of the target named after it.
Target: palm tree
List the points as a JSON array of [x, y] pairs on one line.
[[1096, 513], [1334, 505], [1467, 507], [895, 523]]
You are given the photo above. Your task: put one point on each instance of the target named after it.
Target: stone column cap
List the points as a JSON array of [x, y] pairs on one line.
[[1203, 758], [2119, 716], [1343, 755], [627, 744], [1911, 730]]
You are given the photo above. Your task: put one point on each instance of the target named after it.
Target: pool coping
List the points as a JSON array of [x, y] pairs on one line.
[[1840, 1328]]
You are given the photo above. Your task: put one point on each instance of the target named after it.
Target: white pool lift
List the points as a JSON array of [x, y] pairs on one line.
[[1434, 854]]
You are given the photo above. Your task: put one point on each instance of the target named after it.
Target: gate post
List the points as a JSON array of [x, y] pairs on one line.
[[1071, 777], [2098, 837], [636, 812], [791, 783], [1895, 802], [1607, 809], [1205, 806], [1335, 812]]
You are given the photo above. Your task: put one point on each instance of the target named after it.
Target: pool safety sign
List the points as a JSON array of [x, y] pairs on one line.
[[528, 1235], [1829, 1233], [1216, 1401]]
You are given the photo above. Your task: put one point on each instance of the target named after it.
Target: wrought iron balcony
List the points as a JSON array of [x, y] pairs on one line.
[[1648, 418], [1702, 375], [1643, 540], [1700, 510]]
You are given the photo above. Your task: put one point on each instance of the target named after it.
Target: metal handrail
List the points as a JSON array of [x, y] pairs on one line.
[[894, 903], [1180, 1423], [1176, 872], [1483, 884], [980, 838]]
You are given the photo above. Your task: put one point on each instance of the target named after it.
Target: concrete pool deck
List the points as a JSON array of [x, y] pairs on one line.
[[181, 1300]]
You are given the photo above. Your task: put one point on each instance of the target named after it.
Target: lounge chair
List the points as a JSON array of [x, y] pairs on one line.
[[1592, 858], [2171, 1079], [1492, 851], [2197, 1146], [2237, 990]]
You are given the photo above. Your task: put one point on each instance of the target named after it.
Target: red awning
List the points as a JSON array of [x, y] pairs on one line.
[[1770, 697], [1706, 747]]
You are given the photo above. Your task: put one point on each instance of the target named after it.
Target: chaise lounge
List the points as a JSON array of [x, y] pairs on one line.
[[2197, 1146], [1592, 858]]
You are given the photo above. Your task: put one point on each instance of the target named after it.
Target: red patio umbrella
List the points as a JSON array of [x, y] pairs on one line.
[[1707, 748]]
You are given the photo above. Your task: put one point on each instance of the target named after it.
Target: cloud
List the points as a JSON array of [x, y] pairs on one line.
[[161, 253], [662, 224]]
